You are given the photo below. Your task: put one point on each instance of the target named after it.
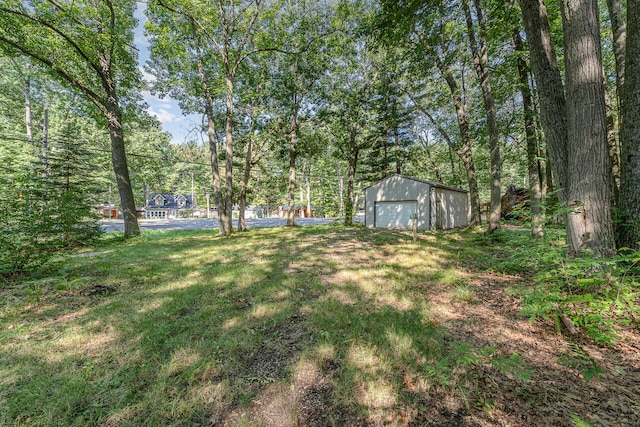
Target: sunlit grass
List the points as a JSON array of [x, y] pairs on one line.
[[189, 328]]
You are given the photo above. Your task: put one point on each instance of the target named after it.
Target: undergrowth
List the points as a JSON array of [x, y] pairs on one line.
[[600, 296]]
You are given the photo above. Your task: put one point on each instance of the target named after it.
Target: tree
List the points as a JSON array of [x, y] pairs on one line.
[[589, 193], [533, 164], [629, 231], [434, 39], [481, 62], [89, 46]]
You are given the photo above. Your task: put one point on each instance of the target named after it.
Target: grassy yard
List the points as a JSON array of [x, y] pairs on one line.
[[306, 326]]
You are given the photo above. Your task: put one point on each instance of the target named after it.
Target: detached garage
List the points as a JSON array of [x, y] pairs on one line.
[[395, 201]]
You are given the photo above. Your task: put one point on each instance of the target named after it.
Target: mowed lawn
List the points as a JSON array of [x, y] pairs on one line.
[[305, 326]]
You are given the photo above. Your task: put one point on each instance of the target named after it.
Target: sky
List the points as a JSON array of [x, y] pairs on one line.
[[183, 128]]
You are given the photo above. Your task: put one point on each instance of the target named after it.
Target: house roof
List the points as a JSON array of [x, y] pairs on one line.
[[431, 183], [171, 201]]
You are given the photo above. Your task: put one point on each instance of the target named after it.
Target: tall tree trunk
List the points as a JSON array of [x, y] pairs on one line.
[[215, 169], [619, 33], [396, 138], [27, 110], [629, 232], [434, 165], [293, 154], [354, 151], [535, 190], [228, 131], [340, 192], [612, 147], [211, 134], [589, 194], [246, 173], [119, 162], [307, 169], [45, 144], [481, 62], [463, 151], [550, 89]]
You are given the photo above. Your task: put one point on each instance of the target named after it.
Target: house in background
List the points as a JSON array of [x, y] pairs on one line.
[[397, 201], [169, 206]]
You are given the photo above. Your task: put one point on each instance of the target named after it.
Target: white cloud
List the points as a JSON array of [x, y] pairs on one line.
[[148, 77], [163, 115]]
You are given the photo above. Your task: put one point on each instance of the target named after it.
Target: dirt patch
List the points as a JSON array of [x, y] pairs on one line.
[[556, 393]]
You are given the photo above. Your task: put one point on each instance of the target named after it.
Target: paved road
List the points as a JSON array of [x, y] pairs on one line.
[[193, 224]]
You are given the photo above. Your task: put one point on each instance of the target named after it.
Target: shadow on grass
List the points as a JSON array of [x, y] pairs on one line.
[[300, 326]]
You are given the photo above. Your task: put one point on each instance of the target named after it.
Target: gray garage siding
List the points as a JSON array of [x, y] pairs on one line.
[[452, 211]]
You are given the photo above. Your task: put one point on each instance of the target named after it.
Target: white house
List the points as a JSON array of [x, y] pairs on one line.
[[168, 206], [397, 201]]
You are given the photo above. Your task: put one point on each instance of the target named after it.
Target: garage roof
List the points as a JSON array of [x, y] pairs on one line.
[[431, 183]]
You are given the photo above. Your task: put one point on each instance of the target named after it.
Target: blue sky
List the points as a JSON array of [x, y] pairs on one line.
[[183, 128]]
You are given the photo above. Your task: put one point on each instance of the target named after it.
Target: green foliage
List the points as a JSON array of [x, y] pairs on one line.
[[599, 296], [578, 358], [578, 422], [46, 205], [463, 356]]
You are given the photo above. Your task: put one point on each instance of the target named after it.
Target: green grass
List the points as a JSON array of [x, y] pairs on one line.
[[328, 324]]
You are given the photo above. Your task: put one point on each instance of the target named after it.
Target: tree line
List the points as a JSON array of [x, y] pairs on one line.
[[478, 92]]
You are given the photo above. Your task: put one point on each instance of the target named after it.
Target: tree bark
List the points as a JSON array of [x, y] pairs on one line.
[[481, 62], [535, 190], [612, 146], [211, 134], [550, 89], [293, 154], [227, 217], [629, 231], [352, 161], [464, 150], [119, 162], [27, 110], [619, 33], [589, 193], [246, 173]]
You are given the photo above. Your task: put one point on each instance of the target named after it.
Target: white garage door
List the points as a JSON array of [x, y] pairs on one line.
[[395, 214]]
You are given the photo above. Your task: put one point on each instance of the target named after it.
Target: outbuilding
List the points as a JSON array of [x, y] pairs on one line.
[[396, 201]]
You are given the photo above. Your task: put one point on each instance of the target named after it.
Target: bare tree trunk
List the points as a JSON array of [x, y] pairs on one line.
[[293, 154], [481, 62], [619, 31], [211, 134], [612, 146], [629, 231], [464, 151], [535, 190], [228, 130], [248, 153], [340, 191], [396, 137], [434, 165], [589, 193], [27, 110], [354, 151], [550, 89], [119, 162], [307, 180], [45, 144], [215, 170]]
